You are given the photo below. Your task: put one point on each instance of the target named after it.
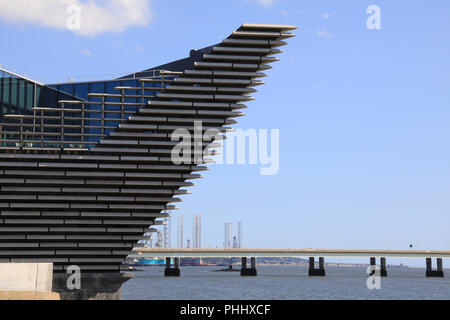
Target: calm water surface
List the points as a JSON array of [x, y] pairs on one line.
[[283, 282]]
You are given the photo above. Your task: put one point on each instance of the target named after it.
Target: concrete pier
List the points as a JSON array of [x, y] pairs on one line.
[[438, 273], [172, 272], [383, 270], [313, 272], [439, 266], [93, 286], [34, 277], [248, 272], [244, 263], [27, 281]]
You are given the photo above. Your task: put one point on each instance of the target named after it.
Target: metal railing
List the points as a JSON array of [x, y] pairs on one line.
[[103, 77], [77, 125]]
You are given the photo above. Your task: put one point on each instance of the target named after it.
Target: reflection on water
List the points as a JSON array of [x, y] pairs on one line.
[[283, 282]]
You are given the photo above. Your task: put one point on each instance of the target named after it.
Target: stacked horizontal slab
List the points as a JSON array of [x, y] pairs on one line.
[[90, 206]]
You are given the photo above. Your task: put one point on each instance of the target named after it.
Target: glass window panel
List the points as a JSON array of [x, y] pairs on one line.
[[111, 85], [38, 95], [67, 88], [50, 97], [131, 83], [6, 89], [1, 91], [113, 116], [131, 109], [64, 96], [158, 84], [30, 95], [92, 107], [94, 123], [21, 101], [3, 108], [14, 87], [111, 123], [130, 100], [110, 107], [97, 87], [81, 91], [110, 88]]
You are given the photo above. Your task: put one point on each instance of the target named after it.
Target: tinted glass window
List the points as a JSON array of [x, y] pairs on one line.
[[81, 91], [110, 88], [14, 85], [111, 85], [50, 97], [30, 95], [97, 87], [22, 85], [39, 99], [1, 91], [2, 105], [131, 83], [67, 88]]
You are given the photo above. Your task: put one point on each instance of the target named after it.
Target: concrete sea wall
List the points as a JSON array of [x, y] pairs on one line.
[[27, 281]]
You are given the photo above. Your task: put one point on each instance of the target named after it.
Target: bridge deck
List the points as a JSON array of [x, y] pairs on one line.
[[217, 253]]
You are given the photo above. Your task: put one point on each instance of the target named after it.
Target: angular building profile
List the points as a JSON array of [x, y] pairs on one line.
[[86, 168]]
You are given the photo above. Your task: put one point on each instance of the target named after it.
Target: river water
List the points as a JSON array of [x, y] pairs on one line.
[[283, 282]]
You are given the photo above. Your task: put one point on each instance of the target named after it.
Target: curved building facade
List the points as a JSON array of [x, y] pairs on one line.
[[86, 169]]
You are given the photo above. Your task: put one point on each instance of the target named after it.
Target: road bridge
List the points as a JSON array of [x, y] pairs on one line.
[[310, 253]]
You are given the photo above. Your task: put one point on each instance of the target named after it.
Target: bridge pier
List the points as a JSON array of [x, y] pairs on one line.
[[246, 272], [438, 273], [383, 270], [313, 272], [172, 272]]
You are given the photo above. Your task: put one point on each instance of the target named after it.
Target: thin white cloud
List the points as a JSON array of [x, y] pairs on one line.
[[322, 33], [264, 3], [86, 52], [284, 12], [95, 18], [325, 15]]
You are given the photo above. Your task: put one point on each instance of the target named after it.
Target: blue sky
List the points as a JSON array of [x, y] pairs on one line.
[[363, 114]]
